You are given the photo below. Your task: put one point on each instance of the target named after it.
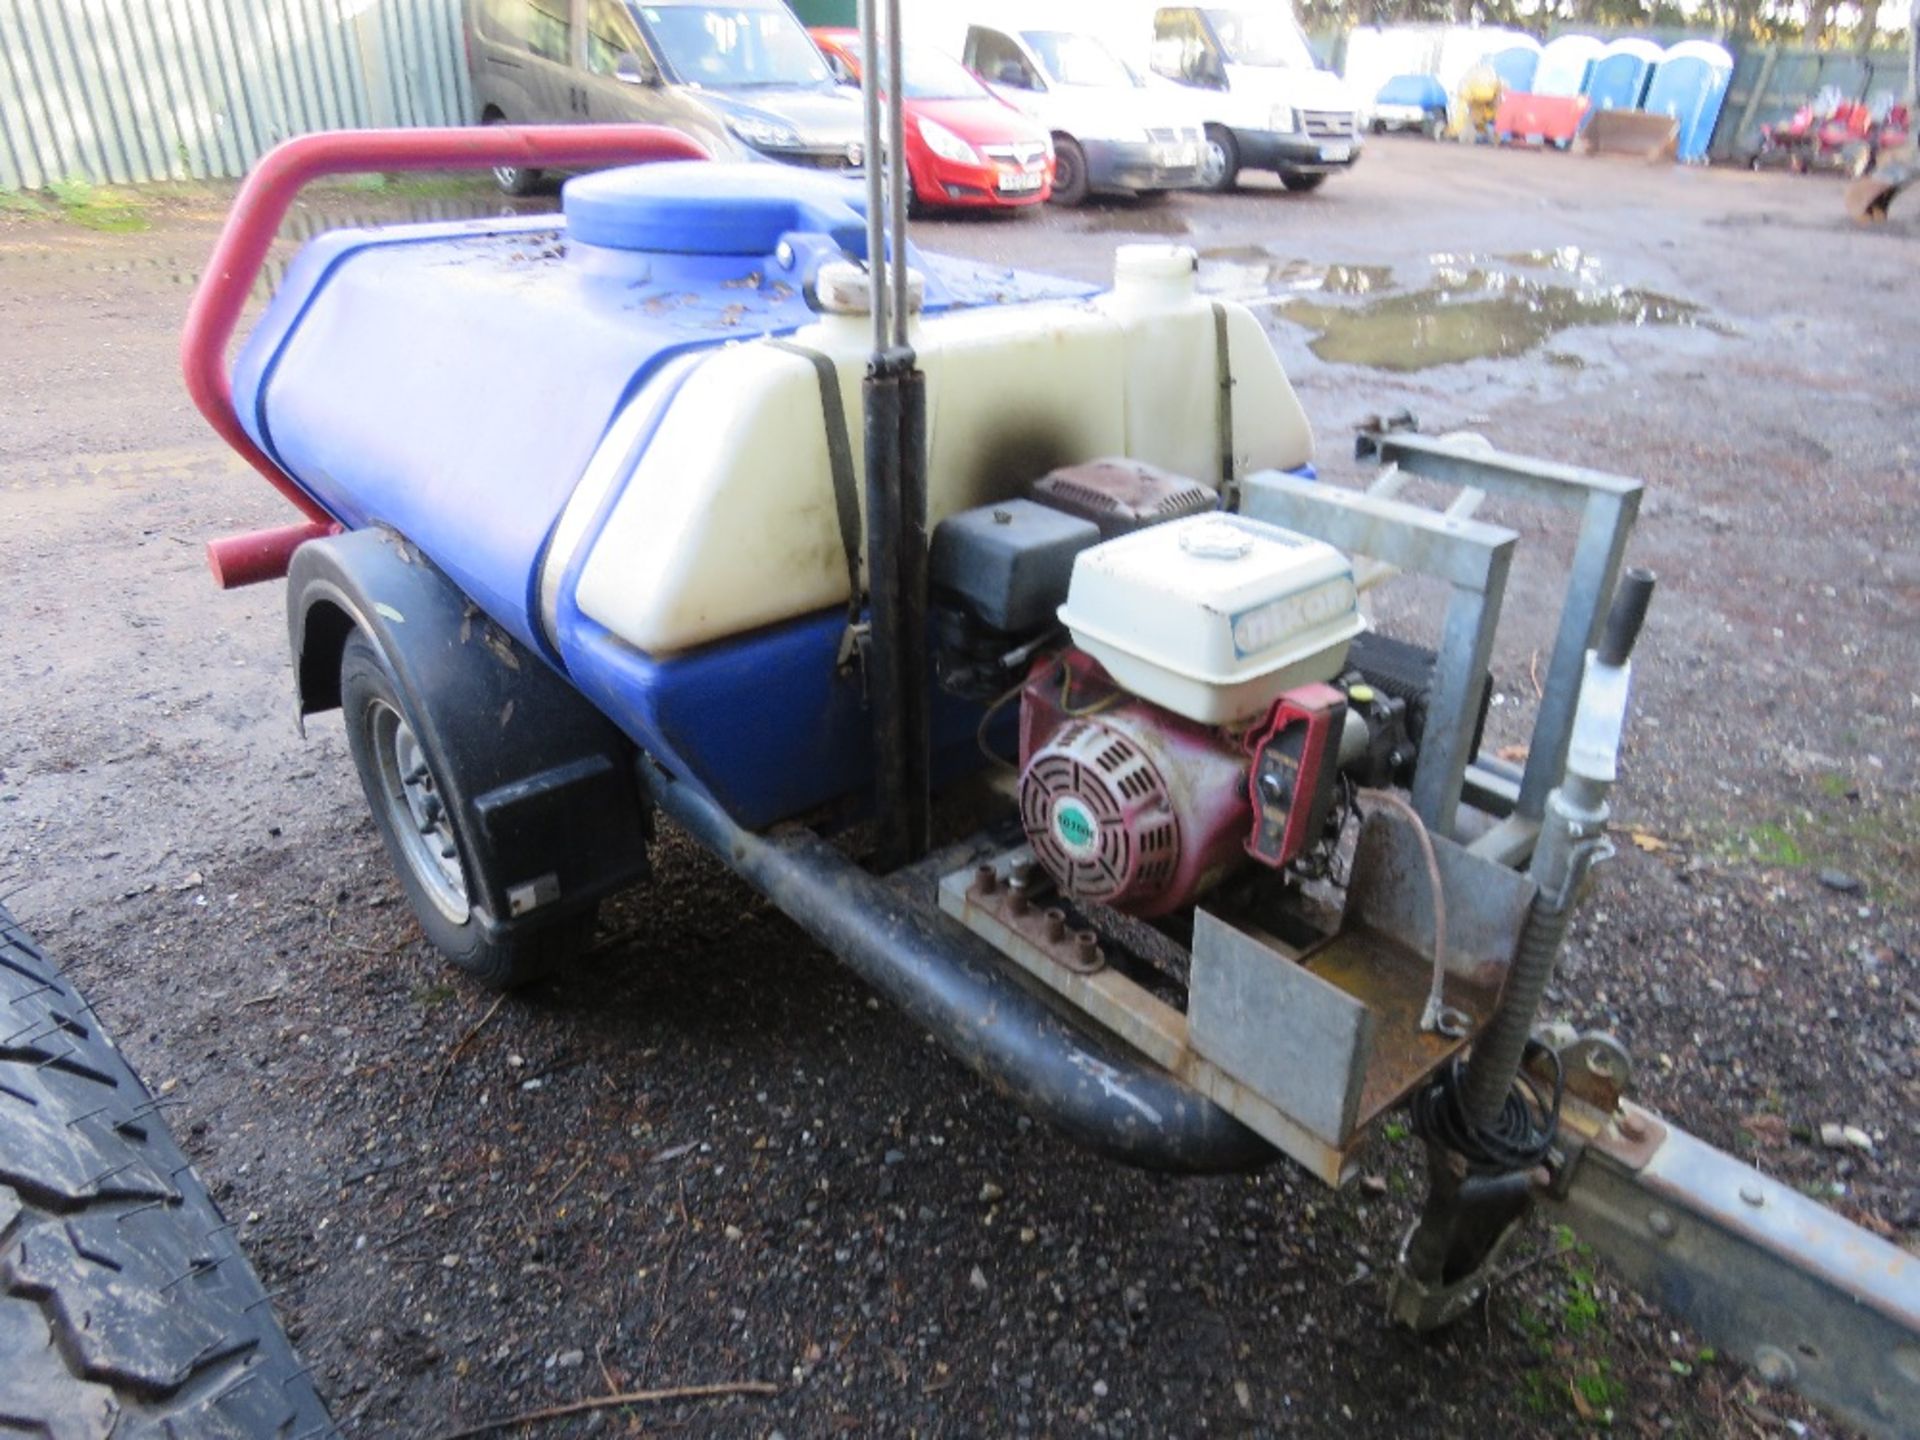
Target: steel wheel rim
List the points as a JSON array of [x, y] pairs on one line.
[[415, 813], [1214, 167], [1065, 175]]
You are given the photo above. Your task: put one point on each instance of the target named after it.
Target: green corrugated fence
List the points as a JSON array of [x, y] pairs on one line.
[[117, 91]]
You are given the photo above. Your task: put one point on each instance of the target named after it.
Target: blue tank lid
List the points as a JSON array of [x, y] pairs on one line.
[[698, 207]]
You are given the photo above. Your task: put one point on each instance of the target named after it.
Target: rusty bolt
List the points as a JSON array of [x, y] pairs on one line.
[[1633, 1127], [985, 881], [1056, 926], [1017, 902], [1023, 874], [1086, 948]]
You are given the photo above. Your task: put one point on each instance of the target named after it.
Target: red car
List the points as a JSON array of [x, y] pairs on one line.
[[965, 146]]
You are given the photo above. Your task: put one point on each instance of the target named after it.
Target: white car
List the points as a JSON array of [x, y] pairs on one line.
[[1112, 133], [1265, 101]]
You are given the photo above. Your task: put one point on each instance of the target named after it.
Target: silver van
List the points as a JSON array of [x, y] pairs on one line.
[[742, 77]]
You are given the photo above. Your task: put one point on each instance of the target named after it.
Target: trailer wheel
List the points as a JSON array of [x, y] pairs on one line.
[[126, 1306], [425, 838]]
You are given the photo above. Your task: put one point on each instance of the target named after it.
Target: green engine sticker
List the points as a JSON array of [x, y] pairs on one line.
[[1074, 826]]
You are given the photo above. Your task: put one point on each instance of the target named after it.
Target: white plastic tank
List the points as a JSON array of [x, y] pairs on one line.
[[727, 522]]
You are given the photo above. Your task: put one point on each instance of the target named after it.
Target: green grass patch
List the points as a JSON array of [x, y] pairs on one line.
[[460, 185], [1874, 836], [1774, 845], [110, 211], [1600, 1390], [19, 202], [1580, 1307]]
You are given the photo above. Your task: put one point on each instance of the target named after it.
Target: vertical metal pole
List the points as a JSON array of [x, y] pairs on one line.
[[896, 429], [896, 177], [911, 542], [876, 198]]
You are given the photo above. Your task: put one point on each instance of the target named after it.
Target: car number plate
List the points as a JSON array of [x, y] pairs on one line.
[[1018, 183], [1336, 152]]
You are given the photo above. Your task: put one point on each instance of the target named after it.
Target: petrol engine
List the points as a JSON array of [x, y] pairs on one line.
[[1193, 685]]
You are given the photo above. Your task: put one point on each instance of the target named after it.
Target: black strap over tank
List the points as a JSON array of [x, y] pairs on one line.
[[846, 497]]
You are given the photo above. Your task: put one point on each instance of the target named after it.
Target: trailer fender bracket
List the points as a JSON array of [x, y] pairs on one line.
[[545, 784]]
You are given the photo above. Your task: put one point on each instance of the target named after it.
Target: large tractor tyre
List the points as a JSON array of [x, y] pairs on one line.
[[426, 838], [126, 1307]]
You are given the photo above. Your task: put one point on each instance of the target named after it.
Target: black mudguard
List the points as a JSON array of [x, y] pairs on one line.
[[543, 780]]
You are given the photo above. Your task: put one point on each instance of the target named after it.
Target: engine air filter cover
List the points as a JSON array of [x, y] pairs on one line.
[[1214, 616]]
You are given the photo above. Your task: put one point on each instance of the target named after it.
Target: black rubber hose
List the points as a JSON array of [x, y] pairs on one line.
[[944, 977], [1626, 615]]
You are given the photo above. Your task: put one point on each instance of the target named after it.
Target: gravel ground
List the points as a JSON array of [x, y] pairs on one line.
[[708, 1155]]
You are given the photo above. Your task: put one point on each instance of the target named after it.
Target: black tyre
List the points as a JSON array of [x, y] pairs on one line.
[[126, 1307], [516, 180], [1070, 183], [1300, 184], [1220, 171], [425, 837]]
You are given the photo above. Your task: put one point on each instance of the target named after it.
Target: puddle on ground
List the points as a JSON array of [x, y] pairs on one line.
[[1244, 270], [1472, 307], [1567, 259], [1476, 315]]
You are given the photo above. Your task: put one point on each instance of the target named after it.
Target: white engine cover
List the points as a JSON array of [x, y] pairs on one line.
[[1212, 617]]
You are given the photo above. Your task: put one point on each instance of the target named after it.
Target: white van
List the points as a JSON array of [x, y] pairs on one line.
[[1112, 133], [1265, 101]]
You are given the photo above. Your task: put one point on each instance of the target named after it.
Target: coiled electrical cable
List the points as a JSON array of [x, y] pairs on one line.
[[1517, 1141]]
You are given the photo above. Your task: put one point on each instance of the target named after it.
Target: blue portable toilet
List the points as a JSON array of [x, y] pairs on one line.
[[1621, 74], [1564, 65], [1515, 64], [1690, 84]]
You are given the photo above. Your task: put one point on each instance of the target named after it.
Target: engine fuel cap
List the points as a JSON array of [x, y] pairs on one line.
[[1215, 540]]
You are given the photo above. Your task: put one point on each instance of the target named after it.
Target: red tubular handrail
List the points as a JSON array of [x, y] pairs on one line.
[[255, 220]]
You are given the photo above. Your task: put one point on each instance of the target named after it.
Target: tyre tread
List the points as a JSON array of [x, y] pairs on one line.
[[126, 1306]]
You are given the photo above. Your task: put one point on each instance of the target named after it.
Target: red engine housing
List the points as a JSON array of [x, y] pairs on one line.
[[1130, 806]]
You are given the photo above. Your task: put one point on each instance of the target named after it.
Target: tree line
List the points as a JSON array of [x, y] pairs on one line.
[[1825, 24]]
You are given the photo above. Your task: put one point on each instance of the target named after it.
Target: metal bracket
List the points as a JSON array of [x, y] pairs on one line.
[[1470, 555], [1607, 505], [1759, 1269]]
